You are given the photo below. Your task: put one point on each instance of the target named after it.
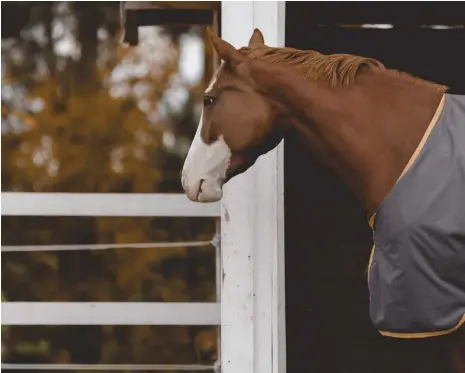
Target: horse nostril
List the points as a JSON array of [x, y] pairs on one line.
[[200, 188]]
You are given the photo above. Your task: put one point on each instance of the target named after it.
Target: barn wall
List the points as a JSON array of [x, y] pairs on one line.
[[327, 238]]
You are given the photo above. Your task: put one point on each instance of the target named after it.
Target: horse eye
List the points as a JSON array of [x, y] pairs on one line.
[[208, 101]]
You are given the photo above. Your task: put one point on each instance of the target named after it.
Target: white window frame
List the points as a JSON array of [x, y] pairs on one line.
[[253, 335]]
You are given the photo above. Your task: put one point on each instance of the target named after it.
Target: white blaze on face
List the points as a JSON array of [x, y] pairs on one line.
[[205, 168]]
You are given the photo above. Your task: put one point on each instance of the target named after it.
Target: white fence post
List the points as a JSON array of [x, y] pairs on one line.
[[252, 303]]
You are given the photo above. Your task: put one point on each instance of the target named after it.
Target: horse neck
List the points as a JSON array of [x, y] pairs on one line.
[[367, 132]]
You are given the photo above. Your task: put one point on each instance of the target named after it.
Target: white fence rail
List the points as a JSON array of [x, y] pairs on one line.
[[109, 313], [104, 246], [111, 367], [104, 204]]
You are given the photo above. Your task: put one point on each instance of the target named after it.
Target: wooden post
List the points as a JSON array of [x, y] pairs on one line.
[[252, 298]]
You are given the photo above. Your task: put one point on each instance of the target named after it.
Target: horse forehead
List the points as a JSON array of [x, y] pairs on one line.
[[219, 79], [214, 79]]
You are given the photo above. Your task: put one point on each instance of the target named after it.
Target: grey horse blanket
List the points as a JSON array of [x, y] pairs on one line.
[[417, 267]]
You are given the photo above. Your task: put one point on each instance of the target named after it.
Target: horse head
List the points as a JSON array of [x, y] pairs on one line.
[[239, 122]]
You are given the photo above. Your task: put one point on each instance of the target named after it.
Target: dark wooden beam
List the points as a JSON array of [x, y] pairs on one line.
[[135, 14], [173, 17], [211, 5], [402, 14], [15, 16]]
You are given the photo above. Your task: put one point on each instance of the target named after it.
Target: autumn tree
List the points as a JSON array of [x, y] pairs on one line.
[[82, 113]]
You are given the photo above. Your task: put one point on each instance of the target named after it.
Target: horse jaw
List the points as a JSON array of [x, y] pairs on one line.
[[205, 168]]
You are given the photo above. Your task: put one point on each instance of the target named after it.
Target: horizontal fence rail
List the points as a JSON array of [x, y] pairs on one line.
[[127, 367], [105, 204], [109, 313], [103, 246]]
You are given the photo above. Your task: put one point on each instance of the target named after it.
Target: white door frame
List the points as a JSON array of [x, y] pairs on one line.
[[253, 331]]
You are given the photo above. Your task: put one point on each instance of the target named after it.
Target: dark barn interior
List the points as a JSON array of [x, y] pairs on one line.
[[328, 240]]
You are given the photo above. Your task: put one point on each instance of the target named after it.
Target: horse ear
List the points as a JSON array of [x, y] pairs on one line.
[[256, 39], [225, 50]]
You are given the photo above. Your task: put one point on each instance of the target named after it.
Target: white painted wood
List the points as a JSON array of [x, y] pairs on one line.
[[111, 367], [253, 303], [103, 246], [279, 283], [104, 204], [109, 313], [237, 232], [216, 242], [269, 17]]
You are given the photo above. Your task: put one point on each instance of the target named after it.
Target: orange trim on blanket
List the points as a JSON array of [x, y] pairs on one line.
[[369, 262], [424, 334], [419, 148], [371, 221], [414, 335]]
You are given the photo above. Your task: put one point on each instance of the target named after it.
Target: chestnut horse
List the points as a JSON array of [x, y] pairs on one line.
[[368, 123]]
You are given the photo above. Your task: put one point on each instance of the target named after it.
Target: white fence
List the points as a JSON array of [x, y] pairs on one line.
[[253, 333], [104, 204], [107, 313], [253, 338]]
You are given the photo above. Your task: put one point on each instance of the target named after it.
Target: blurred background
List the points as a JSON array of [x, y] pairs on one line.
[[84, 113]]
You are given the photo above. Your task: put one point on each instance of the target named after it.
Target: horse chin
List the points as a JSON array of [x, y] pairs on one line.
[[239, 169]]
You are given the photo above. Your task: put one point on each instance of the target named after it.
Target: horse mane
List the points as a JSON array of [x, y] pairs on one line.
[[335, 69]]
